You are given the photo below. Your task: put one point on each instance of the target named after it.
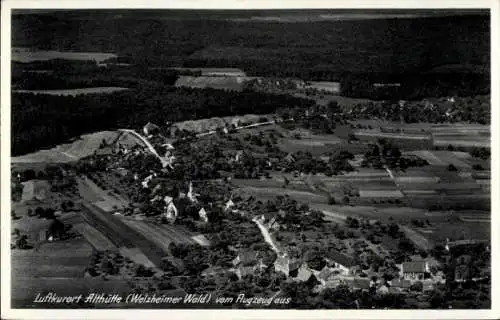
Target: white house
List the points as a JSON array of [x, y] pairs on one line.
[[150, 129], [170, 212], [191, 195], [229, 205], [168, 200], [203, 215], [414, 270], [145, 182]]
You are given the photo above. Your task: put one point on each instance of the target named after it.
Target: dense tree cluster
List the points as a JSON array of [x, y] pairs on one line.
[[470, 108], [41, 121], [68, 74], [306, 50], [385, 153]]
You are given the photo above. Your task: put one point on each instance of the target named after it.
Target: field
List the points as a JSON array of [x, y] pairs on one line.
[[74, 92], [219, 82], [94, 237], [106, 200], [324, 99], [63, 259], [330, 87], [210, 124], [84, 146], [161, 235], [123, 237], [25, 55]]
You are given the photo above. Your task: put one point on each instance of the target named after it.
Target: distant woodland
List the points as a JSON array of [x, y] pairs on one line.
[[327, 50], [42, 121]]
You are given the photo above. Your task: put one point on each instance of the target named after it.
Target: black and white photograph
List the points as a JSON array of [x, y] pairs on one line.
[[250, 159]]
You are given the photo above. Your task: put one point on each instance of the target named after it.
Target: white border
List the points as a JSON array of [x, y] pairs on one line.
[[8, 313]]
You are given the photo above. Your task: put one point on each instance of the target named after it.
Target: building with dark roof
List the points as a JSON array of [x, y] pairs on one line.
[[415, 270], [340, 261]]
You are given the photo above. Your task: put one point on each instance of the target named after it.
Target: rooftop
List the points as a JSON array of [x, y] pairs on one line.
[[340, 258], [416, 266]]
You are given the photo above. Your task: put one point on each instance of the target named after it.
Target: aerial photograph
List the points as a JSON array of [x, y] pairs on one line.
[[250, 159]]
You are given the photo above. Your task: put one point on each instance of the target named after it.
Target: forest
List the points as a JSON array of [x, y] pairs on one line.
[[43, 121], [321, 50]]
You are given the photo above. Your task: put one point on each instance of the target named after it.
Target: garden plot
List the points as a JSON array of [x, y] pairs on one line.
[[430, 157], [380, 194], [94, 237], [450, 158], [158, 234], [136, 255], [61, 259]]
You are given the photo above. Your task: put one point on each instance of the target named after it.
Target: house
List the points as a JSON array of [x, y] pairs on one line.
[[286, 265], [415, 270], [242, 271], [145, 182], [191, 195], [168, 146], [273, 225], [203, 215], [168, 200], [427, 287], [383, 289], [245, 257], [229, 205], [340, 261], [122, 171], [150, 129], [172, 264], [289, 157], [464, 259], [461, 273], [395, 290], [55, 231], [170, 211], [326, 274], [238, 156], [362, 284], [400, 284], [305, 275], [106, 151], [216, 271]]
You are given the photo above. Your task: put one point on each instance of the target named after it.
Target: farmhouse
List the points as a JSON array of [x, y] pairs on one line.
[[286, 265], [245, 257], [203, 215], [340, 261], [172, 264], [461, 273], [55, 231], [170, 211], [414, 270], [399, 285], [150, 129], [326, 274], [242, 271], [229, 205], [383, 289], [35, 190], [358, 284], [289, 158], [216, 271], [304, 274], [191, 195]]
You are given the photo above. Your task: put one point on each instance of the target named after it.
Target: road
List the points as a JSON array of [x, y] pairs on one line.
[[266, 235], [147, 143]]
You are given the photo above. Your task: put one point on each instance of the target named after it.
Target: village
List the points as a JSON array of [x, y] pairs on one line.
[[169, 200]]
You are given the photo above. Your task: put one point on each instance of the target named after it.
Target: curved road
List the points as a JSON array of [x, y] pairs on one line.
[[267, 236], [147, 143]]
